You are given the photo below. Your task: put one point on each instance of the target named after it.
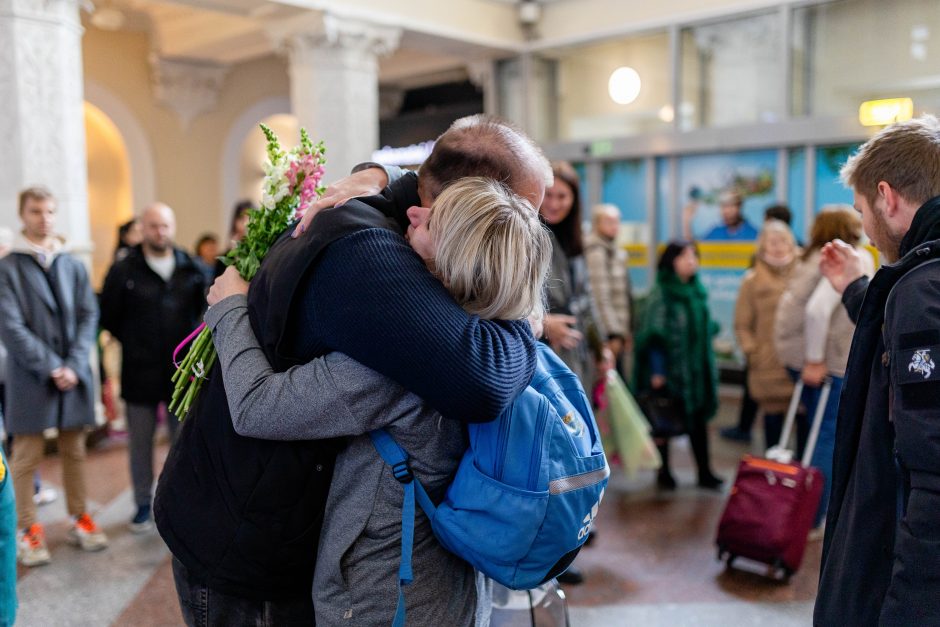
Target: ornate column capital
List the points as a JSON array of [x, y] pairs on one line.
[[188, 87], [322, 37]]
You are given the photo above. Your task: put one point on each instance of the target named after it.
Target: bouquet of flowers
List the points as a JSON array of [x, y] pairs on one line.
[[291, 185]]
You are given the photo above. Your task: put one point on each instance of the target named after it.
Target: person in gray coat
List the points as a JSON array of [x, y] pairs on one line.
[[475, 235], [48, 322]]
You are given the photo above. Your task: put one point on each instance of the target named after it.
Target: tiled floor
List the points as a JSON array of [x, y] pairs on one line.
[[652, 563]]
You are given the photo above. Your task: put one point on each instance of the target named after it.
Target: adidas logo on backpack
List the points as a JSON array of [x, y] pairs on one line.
[[589, 519], [515, 509]]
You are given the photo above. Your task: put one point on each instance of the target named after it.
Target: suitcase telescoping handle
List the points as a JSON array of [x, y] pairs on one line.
[[780, 452]]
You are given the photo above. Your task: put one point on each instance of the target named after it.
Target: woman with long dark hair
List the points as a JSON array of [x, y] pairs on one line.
[[570, 317], [674, 354]]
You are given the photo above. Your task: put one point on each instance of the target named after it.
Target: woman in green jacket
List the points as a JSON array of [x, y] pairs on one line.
[[674, 354]]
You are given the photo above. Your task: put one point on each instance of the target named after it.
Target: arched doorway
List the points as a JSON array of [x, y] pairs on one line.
[[110, 194]]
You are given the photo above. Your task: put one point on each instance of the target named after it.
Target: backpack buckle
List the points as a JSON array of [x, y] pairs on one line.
[[402, 472]]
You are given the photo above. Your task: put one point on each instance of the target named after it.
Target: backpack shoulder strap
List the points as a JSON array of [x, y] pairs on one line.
[[396, 457]]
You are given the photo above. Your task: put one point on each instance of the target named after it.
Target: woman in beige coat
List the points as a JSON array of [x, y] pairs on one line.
[[754, 315]]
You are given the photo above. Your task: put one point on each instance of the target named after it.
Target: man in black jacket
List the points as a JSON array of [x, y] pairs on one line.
[[881, 557], [152, 299]]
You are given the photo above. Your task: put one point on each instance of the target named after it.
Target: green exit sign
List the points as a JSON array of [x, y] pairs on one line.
[[601, 148]]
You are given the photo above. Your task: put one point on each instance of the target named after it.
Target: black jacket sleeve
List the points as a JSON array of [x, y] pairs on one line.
[[912, 333], [110, 300], [853, 296]]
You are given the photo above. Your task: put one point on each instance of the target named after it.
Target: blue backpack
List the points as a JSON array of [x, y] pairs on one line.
[[522, 501]]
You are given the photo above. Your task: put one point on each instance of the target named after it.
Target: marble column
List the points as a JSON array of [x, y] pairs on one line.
[[333, 67], [42, 127]]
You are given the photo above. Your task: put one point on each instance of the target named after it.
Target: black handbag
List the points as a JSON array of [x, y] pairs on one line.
[[665, 413]]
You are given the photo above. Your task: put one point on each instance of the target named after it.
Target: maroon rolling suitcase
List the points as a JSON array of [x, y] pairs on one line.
[[773, 501]]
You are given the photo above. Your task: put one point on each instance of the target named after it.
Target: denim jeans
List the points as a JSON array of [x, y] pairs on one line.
[[204, 607], [826, 442]]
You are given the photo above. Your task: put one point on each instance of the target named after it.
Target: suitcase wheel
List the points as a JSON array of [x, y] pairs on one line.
[[781, 572]]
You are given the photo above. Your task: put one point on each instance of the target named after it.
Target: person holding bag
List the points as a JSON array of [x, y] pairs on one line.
[[674, 357]]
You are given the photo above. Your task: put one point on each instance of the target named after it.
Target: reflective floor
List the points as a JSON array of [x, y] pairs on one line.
[[652, 562]]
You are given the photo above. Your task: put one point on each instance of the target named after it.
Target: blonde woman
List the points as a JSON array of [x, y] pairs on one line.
[[754, 318], [492, 253]]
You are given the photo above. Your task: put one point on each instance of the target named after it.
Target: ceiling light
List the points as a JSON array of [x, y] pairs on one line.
[[624, 85], [887, 111]]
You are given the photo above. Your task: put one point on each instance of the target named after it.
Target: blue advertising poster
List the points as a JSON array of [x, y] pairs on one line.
[[581, 169], [829, 188], [663, 201], [624, 186], [796, 192], [704, 178], [726, 244]]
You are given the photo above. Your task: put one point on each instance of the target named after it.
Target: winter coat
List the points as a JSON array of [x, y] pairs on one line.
[[882, 547], [610, 285], [150, 317], [676, 321], [568, 292], [790, 325], [48, 319], [754, 319]]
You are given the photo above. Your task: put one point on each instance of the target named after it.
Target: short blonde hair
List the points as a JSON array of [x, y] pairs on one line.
[[905, 155], [774, 226], [493, 253], [604, 209]]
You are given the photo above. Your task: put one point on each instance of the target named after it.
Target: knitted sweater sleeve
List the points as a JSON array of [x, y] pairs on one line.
[[330, 396], [372, 298]]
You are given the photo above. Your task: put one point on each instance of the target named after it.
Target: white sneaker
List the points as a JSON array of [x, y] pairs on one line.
[[45, 496], [86, 534], [142, 522], [31, 546]]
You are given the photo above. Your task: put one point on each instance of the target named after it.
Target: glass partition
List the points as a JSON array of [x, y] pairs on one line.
[[850, 51], [625, 187], [731, 72]]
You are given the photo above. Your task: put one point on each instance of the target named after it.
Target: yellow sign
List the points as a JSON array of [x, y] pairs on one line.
[[637, 255], [887, 111], [727, 255]]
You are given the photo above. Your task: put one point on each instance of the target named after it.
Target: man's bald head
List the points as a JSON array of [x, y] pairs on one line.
[[158, 224], [486, 146]]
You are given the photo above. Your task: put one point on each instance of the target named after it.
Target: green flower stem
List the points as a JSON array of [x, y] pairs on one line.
[[265, 225], [188, 384]]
